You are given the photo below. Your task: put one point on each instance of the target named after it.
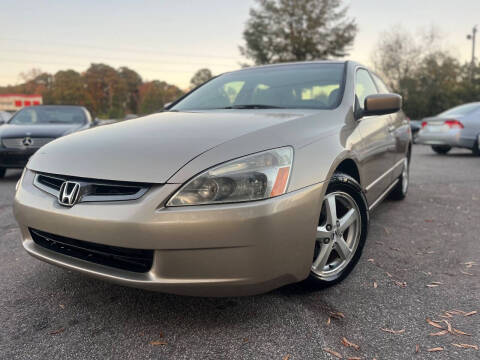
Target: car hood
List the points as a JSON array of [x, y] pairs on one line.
[[44, 130], [153, 148]]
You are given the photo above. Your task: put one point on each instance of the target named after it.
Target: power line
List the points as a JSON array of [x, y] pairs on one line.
[[150, 50], [67, 64], [159, 62]]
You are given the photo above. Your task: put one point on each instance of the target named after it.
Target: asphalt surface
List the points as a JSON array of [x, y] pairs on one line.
[[432, 237]]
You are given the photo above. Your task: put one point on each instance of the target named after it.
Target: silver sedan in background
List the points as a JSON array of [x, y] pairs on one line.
[[457, 127]]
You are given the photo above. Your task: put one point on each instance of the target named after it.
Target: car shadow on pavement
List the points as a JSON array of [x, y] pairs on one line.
[[12, 175]]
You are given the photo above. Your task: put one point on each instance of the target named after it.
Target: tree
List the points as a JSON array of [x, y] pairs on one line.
[[107, 91], [430, 79], [132, 81], [297, 30], [155, 94], [398, 53], [68, 88], [200, 77]]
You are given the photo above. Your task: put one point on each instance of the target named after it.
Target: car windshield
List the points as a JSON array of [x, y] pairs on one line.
[[49, 115], [305, 86], [460, 110]]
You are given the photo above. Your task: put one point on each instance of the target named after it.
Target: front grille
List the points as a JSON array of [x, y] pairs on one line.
[[135, 260], [25, 142], [51, 182], [91, 189]]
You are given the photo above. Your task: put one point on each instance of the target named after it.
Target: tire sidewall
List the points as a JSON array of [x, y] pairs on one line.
[[345, 183]]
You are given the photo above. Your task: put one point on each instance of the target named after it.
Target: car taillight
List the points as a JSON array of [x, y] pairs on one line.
[[424, 123], [454, 124]]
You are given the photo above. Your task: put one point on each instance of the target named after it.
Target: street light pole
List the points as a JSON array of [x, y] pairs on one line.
[[472, 37]]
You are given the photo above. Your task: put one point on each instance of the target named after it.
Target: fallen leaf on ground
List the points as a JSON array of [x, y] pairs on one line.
[[466, 273], [449, 326], [437, 283], [354, 358], [286, 357], [375, 285], [434, 323], [428, 220], [466, 346], [432, 285], [371, 260], [460, 332], [245, 340], [440, 333], [388, 274], [417, 348], [435, 349], [329, 320], [337, 315], [391, 331], [332, 352], [347, 343], [158, 342], [402, 284], [55, 332], [62, 306], [470, 313]]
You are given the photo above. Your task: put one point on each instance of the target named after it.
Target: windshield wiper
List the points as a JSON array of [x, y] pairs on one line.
[[253, 106], [58, 122]]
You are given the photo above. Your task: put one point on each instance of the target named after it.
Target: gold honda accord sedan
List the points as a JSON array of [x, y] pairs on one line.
[[259, 178]]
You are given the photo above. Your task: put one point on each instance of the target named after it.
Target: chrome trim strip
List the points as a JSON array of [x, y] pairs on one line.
[[375, 182], [383, 195], [90, 198]]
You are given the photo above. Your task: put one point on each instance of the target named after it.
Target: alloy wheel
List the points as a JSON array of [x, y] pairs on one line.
[[338, 235]]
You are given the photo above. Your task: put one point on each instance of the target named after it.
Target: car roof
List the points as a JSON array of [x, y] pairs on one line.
[[292, 64], [52, 106]]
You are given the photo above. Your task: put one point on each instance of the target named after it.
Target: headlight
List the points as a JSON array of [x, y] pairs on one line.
[[19, 182], [254, 177]]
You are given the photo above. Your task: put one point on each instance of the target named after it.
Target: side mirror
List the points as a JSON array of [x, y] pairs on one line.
[[382, 104], [2, 122], [95, 122]]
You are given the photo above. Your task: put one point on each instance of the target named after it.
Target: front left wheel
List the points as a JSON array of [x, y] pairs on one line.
[[341, 232]]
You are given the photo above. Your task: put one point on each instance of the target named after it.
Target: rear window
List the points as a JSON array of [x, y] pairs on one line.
[[308, 86], [460, 110]]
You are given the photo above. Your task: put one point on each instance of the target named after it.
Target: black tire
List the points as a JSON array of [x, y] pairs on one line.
[[400, 190], [2, 172], [441, 149], [476, 147], [344, 183]]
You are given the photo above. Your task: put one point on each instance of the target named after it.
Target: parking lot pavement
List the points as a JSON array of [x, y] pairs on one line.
[[422, 258]]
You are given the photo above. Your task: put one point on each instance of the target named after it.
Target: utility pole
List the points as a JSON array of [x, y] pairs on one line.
[[472, 37]]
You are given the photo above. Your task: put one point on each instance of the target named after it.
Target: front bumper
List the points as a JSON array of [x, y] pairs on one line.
[[15, 159], [213, 250], [451, 137]]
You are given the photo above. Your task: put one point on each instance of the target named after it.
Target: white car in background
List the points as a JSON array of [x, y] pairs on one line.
[[458, 127]]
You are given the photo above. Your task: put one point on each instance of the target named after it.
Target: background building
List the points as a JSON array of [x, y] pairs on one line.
[[14, 102]]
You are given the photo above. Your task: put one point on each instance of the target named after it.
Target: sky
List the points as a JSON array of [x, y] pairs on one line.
[[170, 39]]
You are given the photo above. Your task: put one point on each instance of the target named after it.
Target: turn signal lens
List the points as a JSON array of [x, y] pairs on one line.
[[254, 177]]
